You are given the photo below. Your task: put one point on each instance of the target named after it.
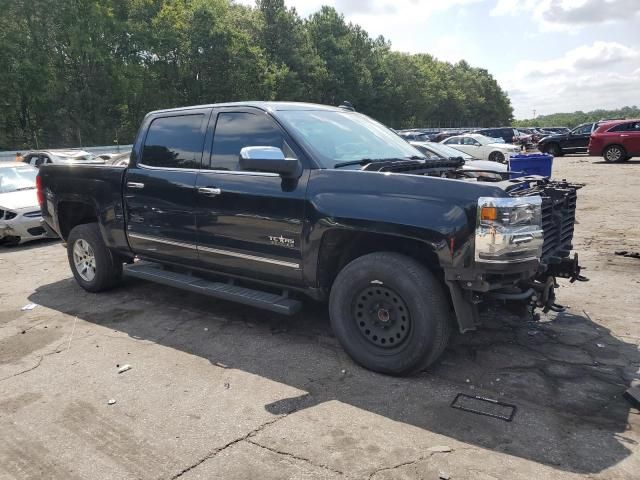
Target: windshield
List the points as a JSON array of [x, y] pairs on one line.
[[334, 137], [13, 179], [446, 151]]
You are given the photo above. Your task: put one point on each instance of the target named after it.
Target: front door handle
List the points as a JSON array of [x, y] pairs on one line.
[[136, 185], [209, 191]]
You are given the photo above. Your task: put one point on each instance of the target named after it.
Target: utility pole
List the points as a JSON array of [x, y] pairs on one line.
[[534, 113]]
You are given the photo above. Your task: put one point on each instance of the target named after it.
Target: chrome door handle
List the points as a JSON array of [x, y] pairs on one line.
[[209, 191], [137, 185], [624, 135]]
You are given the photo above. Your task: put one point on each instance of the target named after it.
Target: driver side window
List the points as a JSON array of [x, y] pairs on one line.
[[470, 141], [236, 130]]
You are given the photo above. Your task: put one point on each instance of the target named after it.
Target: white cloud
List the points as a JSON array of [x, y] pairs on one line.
[[572, 14], [600, 75]]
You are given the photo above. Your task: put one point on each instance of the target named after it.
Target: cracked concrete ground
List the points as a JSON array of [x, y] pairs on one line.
[[218, 390]]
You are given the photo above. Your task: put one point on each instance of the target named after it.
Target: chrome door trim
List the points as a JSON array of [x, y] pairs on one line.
[[215, 250], [162, 240], [249, 257]]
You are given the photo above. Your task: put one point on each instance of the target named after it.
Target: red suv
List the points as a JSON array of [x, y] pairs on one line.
[[616, 141]]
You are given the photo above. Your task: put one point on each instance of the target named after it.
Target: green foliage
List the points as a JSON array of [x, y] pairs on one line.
[[576, 118], [85, 72]]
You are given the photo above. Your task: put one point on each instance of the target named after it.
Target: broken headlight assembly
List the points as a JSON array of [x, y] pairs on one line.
[[509, 229]]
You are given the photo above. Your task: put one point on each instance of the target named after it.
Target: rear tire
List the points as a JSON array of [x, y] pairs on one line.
[[497, 157], [553, 149], [389, 313], [614, 154], [93, 265]]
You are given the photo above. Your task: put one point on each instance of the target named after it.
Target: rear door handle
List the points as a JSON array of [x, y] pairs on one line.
[[137, 185], [624, 135], [209, 191]]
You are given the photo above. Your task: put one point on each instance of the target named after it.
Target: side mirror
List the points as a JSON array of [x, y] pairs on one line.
[[269, 159]]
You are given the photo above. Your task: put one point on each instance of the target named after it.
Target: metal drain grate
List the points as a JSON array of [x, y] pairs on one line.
[[484, 406]]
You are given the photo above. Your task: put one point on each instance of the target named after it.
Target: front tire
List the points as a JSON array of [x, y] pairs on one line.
[[93, 265], [389, 313]]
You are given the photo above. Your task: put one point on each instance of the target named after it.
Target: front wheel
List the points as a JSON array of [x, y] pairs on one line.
[[94, 266], [389, 313], [614, 153]]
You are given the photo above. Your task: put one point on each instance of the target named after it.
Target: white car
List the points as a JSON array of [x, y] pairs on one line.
[[65, 157], [20, 218], [482, 168], [481, 147]]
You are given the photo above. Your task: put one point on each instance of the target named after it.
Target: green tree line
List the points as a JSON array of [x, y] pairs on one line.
[[85, 72], [576, 118]]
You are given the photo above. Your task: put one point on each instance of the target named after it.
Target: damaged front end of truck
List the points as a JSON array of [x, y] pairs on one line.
[[522, 246]]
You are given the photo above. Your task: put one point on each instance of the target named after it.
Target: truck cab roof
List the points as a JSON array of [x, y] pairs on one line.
[[267, 106]]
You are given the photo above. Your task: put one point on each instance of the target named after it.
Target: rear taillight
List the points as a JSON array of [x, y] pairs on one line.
[[40, 191]]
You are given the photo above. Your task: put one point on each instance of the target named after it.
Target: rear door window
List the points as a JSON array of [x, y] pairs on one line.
[[174, 142]]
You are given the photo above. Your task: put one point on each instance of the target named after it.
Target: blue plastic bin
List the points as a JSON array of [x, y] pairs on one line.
[[530, 164]]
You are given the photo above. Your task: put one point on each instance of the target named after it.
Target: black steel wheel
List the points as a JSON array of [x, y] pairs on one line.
[[382, 316], [389, 313]]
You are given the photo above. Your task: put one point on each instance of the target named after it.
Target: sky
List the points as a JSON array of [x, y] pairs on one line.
[[548, 55]]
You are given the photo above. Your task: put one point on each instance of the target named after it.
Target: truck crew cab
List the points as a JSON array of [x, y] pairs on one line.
[[265, 203]]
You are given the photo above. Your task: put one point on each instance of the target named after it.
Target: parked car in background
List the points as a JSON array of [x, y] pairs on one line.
[[481, 147], [438, 137], [508, 134], [415, 135], [109, 157], [474, 166], [43, 157], [119, 159], [20, 218], [616, 141], [554, 130], [534, 135], [576, 141]]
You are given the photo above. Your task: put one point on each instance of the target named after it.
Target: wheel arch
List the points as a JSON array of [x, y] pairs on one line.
[[338, 247], [72, 213]]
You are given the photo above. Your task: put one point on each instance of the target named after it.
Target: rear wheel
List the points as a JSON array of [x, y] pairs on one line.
[[496, 157], [614, 153], [388, 322], [553, 149], [93, 265]]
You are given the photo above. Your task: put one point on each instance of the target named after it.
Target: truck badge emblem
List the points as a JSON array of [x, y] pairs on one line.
[[282, 241]]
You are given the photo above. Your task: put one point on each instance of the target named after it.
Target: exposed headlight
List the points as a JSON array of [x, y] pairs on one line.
[[509, 229]]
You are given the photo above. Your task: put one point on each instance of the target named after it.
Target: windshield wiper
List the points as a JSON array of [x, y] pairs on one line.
[[367, 161], [23, 188]]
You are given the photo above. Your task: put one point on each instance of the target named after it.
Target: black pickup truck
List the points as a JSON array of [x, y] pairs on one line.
[[265, 203]]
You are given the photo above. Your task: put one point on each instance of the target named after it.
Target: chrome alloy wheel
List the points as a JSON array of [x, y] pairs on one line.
[[84, 260], [613, 154]]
